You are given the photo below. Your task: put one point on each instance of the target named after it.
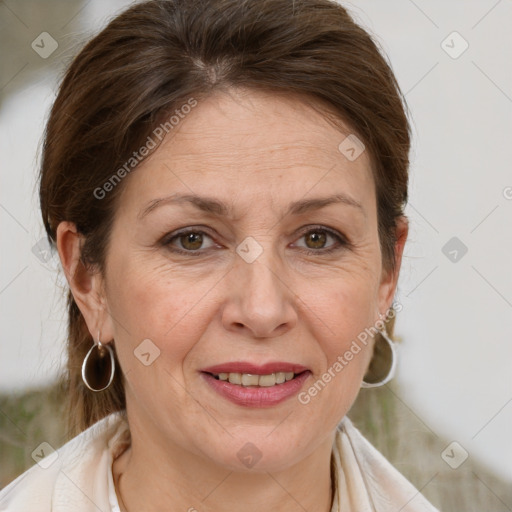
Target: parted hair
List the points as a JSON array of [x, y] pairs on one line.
[[156, 55]]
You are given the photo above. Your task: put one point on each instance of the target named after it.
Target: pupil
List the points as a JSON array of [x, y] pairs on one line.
[[192, 241], [318, 239]]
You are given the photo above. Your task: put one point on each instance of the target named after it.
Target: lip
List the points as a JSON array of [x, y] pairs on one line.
[[253, 396], [254, 369]]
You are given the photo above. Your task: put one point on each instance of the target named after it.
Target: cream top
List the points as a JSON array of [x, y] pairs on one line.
[[78, 476]]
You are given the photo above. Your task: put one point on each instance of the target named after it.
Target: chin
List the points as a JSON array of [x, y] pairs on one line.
[[258, 453]]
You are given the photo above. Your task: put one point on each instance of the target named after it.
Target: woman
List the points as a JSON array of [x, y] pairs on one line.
[[225, 185]]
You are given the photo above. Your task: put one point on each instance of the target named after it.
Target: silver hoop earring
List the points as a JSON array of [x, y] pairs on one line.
[[98, 367], [391, 373]]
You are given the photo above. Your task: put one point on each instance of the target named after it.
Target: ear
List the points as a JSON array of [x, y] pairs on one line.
[[86, 284], [389, 278]]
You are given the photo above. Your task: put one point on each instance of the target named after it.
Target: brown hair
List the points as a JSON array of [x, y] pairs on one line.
[[153, 58]]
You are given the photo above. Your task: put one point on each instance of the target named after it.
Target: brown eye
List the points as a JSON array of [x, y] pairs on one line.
[[315, 239], [322, 241], [191, 241]]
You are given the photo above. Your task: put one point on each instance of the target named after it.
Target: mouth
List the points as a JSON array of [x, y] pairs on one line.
[[254, 380], [250, 385]]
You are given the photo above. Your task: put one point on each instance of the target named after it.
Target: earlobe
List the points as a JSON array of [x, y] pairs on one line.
[[85, 284]]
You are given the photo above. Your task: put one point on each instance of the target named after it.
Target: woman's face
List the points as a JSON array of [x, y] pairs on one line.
[[282, 264]]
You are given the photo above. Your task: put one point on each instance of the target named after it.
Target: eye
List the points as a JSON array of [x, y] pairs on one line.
[[316, 239], [191, 241], [188, 241]]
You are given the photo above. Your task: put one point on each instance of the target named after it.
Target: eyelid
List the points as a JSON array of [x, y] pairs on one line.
[[341, 240], [170, 237]]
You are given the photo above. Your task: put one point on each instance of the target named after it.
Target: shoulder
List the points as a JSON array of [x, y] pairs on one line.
[[70, 477], [372, 475]]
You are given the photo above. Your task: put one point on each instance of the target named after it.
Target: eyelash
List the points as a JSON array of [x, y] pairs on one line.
[[342, 243]]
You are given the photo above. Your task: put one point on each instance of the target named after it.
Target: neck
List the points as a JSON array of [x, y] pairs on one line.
[[148, 477]]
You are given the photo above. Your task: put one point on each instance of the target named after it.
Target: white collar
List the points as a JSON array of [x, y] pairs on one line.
[[81, 479]]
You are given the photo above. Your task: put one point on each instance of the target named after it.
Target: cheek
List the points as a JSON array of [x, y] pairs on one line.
[[151, 302], [352, 348], [342, 310], [344, 307]]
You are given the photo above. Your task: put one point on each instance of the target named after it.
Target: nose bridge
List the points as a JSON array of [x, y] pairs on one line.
[[261, 299], [259, 265]]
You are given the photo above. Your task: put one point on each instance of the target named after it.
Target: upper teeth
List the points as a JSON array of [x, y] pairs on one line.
[[249, 379]]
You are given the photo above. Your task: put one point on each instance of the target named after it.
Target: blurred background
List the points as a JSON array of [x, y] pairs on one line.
[[445, 421]]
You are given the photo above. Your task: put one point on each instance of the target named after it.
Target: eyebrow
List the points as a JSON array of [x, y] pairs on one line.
[[216, 207]]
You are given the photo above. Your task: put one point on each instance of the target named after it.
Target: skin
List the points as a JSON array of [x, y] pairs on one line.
[[256, 152]]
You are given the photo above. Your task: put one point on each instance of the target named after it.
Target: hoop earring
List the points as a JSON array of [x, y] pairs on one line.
[[98, 367], [391, 373]]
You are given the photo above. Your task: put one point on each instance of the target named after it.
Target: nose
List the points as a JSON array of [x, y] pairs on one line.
[[260, 301]]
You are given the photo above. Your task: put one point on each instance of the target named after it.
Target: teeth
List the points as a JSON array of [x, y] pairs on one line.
[[266, 380], [249, 379], [280, 377], [235, 378]]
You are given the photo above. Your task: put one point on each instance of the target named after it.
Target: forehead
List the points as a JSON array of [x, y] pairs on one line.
[[245, 145]]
